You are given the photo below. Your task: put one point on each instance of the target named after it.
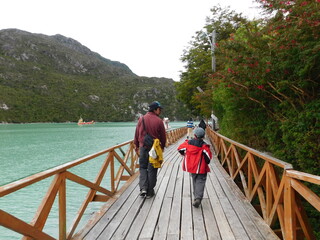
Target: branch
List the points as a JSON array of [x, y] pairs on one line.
[[257, 101], [293, 87], [241, 85], [281, 94], [266, 108], [273, 96]]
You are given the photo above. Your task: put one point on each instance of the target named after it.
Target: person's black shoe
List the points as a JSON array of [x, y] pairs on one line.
[[143, 193], [150, 194], [197, 203]]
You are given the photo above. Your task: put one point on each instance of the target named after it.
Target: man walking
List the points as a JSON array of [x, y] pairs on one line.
[[152, 124]]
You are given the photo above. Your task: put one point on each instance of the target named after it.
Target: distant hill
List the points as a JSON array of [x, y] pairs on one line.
[[57, 79]]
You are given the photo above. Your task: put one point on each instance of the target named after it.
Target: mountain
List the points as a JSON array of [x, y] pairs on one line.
[[57, 79]]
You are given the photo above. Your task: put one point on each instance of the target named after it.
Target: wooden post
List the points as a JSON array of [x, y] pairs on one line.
[[112, 171], [62, 209], [233, 162], [268, 193], [132, 150], [289, 213], [250, 183]]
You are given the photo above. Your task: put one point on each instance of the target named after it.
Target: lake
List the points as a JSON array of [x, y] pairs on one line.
[[27, 149]]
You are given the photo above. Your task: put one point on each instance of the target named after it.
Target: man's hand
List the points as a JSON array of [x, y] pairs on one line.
[[137, 151]]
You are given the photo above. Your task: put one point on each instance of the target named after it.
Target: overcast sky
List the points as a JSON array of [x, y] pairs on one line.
[[147, 35]]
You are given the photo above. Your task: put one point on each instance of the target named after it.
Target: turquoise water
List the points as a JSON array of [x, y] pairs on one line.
[[27, 149]]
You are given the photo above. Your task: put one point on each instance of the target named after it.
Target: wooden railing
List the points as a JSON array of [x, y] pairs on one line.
[[125, 172], [175, 135], [271, 185]]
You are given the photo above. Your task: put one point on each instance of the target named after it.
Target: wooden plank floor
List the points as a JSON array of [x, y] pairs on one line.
[[224, 213]]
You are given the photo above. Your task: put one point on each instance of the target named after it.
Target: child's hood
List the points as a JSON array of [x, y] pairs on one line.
[[194, 149]]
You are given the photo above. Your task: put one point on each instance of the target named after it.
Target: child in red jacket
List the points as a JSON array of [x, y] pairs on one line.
[[197, 156]]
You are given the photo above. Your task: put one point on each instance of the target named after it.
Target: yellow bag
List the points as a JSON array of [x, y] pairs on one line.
[[155, 154]]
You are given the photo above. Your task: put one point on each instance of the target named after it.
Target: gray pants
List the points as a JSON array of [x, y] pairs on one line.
[[199, 182], [148, 174]]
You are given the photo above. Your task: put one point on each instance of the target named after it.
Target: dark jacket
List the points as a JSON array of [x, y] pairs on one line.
[[202, 124], [197, 156], [154, 126]]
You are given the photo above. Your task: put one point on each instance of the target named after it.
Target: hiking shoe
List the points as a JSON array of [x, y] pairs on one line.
[[197, 203], [150, 194], [143, 193]]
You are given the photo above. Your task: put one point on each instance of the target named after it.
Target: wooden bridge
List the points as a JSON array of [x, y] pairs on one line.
[[248, 196], [224, 214]]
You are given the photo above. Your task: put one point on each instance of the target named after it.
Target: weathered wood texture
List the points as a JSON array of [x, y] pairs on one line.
[[225, 213], [276, 190]]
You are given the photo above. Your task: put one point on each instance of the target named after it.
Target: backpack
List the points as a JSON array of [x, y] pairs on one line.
[[148, 139]]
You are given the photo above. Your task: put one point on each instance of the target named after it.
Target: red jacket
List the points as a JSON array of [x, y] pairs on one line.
[[154, 126], [194, 157]]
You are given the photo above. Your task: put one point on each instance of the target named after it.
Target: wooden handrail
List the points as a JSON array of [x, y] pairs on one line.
[[273, 183], [127, 169]]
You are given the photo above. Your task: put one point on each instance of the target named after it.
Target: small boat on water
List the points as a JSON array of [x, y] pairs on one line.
[[81, 122]]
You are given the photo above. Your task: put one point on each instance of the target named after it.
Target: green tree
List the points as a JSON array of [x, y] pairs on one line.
[[197, 60], [267, 68], [266, 90], [275, 64]]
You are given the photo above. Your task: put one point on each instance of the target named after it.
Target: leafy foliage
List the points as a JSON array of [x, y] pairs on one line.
[[267, 79], [266, 89], [197, 60]]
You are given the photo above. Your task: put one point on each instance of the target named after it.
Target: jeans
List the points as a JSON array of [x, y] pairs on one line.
[[148, 174]]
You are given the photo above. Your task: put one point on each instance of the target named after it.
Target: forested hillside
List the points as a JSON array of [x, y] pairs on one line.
[[57, 79]]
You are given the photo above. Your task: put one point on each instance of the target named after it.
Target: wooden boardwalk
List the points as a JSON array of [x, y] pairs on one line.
[[224, 213]]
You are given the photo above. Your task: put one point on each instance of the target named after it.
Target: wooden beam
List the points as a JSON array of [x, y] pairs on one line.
[[15, 224], [100, 198], [44, 209], [289, 213], [266, 157], [124, 178], [239, 170], [278, 200], [305, 192], [87, 183], [269, 194], [304, 176], [90, 195], [303, 220], [62, 210], [112, 172], [14, 186], [250, 182]]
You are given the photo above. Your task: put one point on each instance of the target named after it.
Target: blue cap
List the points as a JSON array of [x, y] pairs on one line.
[[154, 105]]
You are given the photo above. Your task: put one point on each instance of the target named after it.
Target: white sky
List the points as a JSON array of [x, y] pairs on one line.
[[147, 35]]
